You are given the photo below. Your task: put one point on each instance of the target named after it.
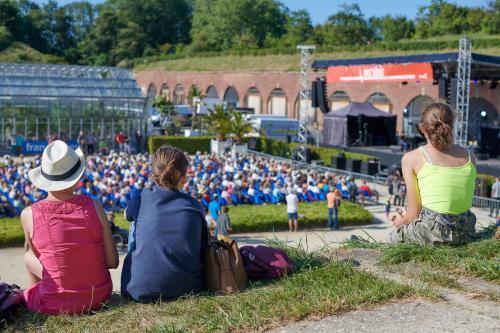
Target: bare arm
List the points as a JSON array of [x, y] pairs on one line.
[[413, 195], [110, 252], [27, 223]]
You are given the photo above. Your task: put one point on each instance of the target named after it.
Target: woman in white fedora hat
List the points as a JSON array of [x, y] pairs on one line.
[[68, 239]]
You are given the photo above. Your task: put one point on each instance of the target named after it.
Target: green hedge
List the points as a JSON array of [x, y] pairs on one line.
[[190, 145], [244, 218], [284, 149]]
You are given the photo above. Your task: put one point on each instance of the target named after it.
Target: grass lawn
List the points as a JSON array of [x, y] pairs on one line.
[[317, 289], [480, 258], [244, 219]]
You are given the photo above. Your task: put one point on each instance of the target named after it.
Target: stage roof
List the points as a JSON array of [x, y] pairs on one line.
[[484, 67]]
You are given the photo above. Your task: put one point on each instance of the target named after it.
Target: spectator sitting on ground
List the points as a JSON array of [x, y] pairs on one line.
[[440, 180], [171, 235], [69, 255]]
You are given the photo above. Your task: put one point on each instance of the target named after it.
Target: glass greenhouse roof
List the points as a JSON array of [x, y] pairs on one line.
[[42, 81]]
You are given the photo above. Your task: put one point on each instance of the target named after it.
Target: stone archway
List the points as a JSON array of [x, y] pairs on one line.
[[179, 95], [412, 113], [481, 114], [212, 92], [253, 100], [380, 101], [165, 91], [339, 99], [231, 98], [277, 103]]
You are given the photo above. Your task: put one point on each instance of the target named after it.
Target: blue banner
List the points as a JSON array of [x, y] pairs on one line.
[[36, 147]]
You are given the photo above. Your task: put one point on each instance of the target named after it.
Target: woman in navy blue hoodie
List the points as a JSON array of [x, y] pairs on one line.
[[171, 235]]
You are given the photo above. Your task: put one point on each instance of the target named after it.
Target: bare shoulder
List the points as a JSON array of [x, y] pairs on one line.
[[26, 216], [410, 157]]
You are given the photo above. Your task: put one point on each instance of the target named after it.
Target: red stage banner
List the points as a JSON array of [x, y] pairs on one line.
[[380, 73]]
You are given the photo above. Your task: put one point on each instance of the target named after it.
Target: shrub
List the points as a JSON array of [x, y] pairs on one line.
[[190, 145], [284, 149]]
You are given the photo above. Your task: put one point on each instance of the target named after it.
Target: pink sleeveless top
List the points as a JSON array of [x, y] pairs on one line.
[[67, 235]]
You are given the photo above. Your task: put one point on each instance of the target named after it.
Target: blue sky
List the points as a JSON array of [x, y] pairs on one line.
[[321, 9]]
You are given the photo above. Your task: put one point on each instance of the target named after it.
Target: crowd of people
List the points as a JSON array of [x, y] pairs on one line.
[[113, 179]]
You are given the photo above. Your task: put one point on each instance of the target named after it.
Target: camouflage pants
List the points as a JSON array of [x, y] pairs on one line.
[[435, 228]]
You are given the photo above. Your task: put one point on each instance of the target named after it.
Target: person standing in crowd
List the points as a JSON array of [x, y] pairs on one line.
[[214, 207], [495, 194], [388, 208], [397, 197], [211, 223], [352, 189], [138, 141], [333, 200], [223, 225], [90, 143], [440, 179], [119, 140], [402, 192], [68, 239], [292, 209], [390, 186], [171, 235]]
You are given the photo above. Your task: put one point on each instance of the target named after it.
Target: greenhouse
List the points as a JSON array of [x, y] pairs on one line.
[[40, 102]]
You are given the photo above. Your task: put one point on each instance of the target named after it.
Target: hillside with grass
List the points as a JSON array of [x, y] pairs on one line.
[[21, 53], [287, 59]]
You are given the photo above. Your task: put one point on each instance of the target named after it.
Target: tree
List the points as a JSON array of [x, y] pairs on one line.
[[491, 23], [239, 125], [227, 24], [441, 18], [5, 37], [392, 29], [102, 39], [83, 15], [195, 96], [299, 28], [218, 123], [346, 27], [162, 21]]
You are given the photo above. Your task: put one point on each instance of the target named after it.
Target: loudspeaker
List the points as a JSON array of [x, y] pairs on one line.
[[338, 162], [320, 93], [314, 94], [354, 165], [370, 168], [451, 97], [443, 85]]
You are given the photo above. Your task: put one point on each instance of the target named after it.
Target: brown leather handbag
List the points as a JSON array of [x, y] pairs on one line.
[[224, 269]]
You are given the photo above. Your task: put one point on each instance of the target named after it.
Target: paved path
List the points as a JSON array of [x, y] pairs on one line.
[[414, 316]]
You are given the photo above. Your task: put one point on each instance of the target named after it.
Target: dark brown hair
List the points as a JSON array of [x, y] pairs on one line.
[[169, 166], [437, 124]]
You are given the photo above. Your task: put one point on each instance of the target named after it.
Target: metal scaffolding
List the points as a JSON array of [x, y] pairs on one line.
[[463, 85], [305, 64]]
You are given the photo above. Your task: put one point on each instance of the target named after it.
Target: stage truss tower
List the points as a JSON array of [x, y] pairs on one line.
[[463, 86], [305, 64]]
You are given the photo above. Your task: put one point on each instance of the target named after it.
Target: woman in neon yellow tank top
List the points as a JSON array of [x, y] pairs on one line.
[[440, 179]]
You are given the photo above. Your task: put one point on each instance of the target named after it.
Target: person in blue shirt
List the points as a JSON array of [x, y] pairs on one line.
[[214, 207], [170, 235]]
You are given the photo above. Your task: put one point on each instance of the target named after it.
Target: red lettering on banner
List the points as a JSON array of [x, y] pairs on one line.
[[380, 73]]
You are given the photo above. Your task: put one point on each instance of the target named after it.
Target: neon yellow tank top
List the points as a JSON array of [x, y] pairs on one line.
[[447, 190]]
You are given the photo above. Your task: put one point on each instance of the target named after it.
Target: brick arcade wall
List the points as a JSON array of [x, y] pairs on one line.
[[400, 95]]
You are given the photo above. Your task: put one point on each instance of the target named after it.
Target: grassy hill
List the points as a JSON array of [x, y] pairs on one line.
[[287, 59], [22, 53]]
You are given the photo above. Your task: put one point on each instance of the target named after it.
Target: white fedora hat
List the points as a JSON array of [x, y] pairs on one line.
[[61, 167]]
